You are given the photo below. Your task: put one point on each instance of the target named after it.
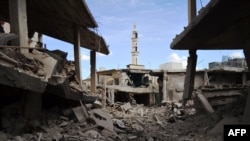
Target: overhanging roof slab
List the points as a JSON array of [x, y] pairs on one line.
[[222, 24]]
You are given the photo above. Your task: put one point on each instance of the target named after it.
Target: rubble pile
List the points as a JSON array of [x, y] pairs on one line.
[[11, 58], [47, 67], [88, 119], [120, 121]]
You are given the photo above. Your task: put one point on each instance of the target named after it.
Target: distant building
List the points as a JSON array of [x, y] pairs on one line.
[[171, 66], [229, 63], [214, 65], [225, 58]]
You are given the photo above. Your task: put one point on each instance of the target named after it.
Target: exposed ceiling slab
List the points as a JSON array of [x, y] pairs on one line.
[[57, 19], [222, 24]]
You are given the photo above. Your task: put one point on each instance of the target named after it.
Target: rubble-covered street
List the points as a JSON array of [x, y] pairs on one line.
[[63, 121]]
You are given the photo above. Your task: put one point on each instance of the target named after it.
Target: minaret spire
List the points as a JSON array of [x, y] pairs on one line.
[[135, 52]]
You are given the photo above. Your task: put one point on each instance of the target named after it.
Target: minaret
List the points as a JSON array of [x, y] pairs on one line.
[[135, 52]]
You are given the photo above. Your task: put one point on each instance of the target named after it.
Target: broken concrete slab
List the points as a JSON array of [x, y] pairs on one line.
[[207, 107], [80, 113], [101, 119], [60, 86], [19, 79], [49, 63]]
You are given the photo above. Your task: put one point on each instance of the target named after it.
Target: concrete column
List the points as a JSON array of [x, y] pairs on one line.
[[104, 93], [93, 70], [164, 98], [246, 117], [191, 10], [33, 105], [112, 94], [190, 76], [18, 23], [151, 98], [77, 54]]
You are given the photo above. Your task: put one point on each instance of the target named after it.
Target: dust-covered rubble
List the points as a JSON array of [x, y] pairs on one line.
[[120, 121]]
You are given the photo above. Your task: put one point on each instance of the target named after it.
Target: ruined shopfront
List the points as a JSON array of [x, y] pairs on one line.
[[128, 85]]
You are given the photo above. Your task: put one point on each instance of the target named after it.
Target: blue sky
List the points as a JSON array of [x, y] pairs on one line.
[[157, 23]]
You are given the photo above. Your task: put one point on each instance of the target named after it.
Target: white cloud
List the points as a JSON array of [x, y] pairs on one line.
[[174, 57], [85, 57], [236, 55]]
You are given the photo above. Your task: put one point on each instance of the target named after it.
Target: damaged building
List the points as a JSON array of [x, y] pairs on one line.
[[42, 96], [222, 24], [133, 84]]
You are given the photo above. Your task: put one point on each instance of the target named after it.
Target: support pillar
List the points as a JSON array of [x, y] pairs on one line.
[[191, 10], [18, 23], [104, 93], [77, 55], [190, 76], [93, 70], [246, 117], [164, 97]]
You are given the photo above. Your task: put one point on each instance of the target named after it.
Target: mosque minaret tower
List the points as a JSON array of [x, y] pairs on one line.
[[135, 51]]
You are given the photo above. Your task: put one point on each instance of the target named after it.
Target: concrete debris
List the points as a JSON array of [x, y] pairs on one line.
[[78, 111], [207, 107], [125, 107], [132, 138], [74, 114], [119, 123], [157, 120], [92, 134], [75, 86], [170, 122], [97, 104]]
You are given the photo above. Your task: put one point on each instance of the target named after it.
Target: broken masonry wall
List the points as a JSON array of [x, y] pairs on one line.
[[175, 81], [175, 84], [224, 77]]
